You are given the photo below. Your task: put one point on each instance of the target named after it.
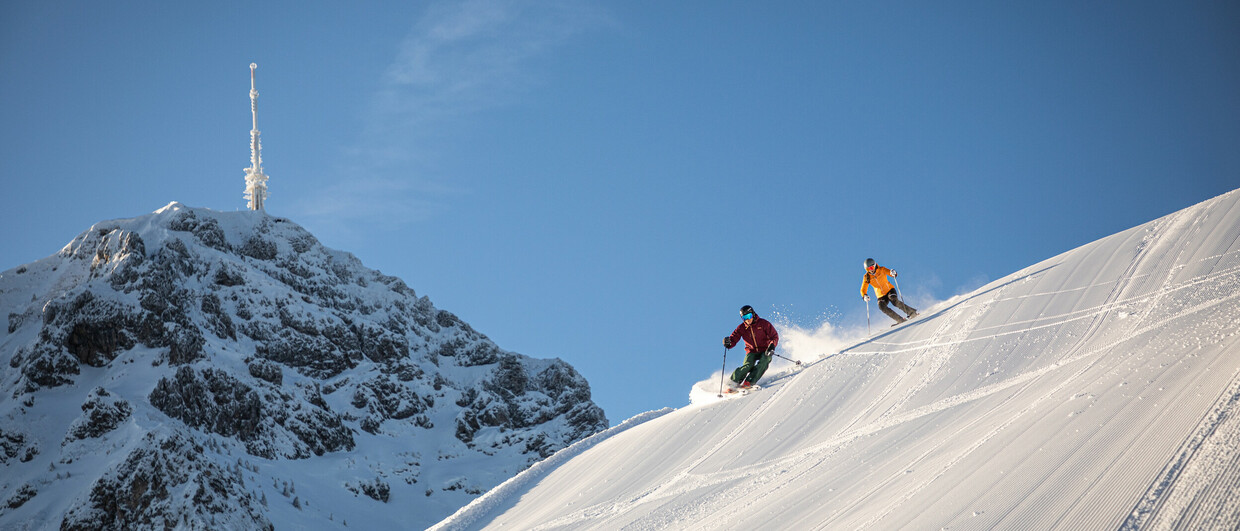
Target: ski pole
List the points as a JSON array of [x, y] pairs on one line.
[[898, 292], [798, 362], [867, 317], [723, 370]]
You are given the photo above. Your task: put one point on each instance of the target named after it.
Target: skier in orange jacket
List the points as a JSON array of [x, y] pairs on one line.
[[876, 275]]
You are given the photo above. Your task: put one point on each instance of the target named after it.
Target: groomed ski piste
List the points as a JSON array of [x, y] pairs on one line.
[[1099, 389]]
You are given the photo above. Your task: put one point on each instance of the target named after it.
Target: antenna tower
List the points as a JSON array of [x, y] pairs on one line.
[[255, 180]]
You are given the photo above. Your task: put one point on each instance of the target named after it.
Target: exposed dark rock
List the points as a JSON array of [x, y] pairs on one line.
[[315, 356], [145, 492], [469, 353], [96, 343], [15, 321], [14, 445], [383, 399], [206, 230], [267, 370], [227, 276], [92, 330], [101, 413], [259, 248], [213, 401], [217, 319], [447, 319], [185, 346], [510, 376], [504, 401], [216, 402], [23, 494], [45, 366], [376, 489]]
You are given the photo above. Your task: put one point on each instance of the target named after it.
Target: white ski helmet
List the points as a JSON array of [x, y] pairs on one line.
[[869, 262]]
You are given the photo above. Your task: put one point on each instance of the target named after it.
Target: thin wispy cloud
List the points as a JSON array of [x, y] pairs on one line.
[[356, 200], [465, 57], [459, 60]]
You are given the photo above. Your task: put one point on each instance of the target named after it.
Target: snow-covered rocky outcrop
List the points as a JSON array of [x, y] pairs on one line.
[[224, 370]]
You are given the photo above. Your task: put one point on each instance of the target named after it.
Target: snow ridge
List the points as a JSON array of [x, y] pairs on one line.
[[502, 495], [1096, 389]]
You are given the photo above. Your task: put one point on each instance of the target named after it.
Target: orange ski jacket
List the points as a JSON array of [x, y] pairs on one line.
[[878, 279]]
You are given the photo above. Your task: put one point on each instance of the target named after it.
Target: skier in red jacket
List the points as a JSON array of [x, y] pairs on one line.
[[760, 339]]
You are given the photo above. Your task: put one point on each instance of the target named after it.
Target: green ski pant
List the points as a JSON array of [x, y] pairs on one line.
[[753, 369]]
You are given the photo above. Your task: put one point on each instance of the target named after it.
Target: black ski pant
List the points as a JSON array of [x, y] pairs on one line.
[[892, 298]]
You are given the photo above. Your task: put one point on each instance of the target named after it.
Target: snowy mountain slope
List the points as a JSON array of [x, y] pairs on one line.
[[1097, 389], [224, 370]]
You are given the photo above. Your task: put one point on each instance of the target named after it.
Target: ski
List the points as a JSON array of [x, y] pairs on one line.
[[742, 391], [907, 319]]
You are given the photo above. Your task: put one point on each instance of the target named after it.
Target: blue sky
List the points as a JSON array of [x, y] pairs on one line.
[[608, 182]]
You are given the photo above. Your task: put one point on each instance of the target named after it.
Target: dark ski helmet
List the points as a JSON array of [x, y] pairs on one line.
[[869, 262], [748, 309]]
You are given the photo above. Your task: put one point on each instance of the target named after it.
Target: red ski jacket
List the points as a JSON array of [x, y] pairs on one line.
[[758, 336]]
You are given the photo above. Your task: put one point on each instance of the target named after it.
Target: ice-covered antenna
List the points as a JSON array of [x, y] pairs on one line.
[[255, 180]]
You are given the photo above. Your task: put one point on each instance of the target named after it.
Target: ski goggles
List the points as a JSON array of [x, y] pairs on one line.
[[871, 268], [747, 315]]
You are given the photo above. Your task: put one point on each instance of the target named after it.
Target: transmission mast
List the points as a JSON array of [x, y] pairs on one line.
[[255, 180]]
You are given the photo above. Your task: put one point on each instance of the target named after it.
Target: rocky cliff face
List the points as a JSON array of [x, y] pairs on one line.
[[185, 367]]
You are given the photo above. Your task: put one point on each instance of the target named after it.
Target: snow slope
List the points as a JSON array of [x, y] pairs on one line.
[[1097, 389]]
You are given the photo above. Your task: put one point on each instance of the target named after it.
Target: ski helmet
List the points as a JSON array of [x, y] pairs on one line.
[[869, 262], [747, 309]]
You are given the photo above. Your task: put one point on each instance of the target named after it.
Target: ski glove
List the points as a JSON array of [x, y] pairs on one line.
[[866, 297], [727, 342]]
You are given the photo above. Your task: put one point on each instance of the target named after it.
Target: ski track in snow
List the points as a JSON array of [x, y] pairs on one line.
[[1147, 300], [1027, 377], [1186, 496], [770, 475], [1045, 321]]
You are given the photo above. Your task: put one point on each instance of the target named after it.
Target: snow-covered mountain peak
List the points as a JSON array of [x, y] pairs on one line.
[[236, 349], [172, 206]]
